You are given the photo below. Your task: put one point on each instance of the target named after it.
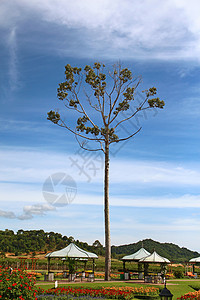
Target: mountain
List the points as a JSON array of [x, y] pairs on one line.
[[26, 241], [171, 251]]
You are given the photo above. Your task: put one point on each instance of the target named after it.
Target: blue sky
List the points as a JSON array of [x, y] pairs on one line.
[[155, 177]]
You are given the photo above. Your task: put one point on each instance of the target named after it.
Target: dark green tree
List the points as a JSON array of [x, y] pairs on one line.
[[102, 99], [97, 244]]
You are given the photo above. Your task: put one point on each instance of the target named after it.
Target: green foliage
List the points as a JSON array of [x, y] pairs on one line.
[[71, 264], [178, 274], [53, 117], [30, 241], [171, 251], [106, 100], [16, 285]]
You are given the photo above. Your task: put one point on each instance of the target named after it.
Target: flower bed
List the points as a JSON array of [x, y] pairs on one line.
[[101, 275], [19, 285], [16, 285], [124, 293], [192, 295], [63, 297], [148, 292]]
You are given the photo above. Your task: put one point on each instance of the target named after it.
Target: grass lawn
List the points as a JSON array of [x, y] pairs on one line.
[[180, 287], [176, 287]]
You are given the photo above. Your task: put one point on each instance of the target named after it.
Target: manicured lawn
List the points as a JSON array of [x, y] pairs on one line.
[[176, 287], [180, 287]]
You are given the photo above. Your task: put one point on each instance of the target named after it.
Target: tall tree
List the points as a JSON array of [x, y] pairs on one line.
[[102, 99]]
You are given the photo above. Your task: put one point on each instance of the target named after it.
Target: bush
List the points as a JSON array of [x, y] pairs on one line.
[[16, 285], [178, 274]]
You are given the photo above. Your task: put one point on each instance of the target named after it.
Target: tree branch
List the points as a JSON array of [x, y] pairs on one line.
[[127, 138], [88, 99], [63, 125], [93, 150], [137, 110]]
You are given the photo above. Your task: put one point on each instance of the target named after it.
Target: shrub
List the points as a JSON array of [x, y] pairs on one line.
[[16, 285], [178, 274]]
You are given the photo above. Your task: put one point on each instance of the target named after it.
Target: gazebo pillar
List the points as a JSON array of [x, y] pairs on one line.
[[85, 265], [124, 265], [193, 269], [146, 269], [93, 265], [48, 265]]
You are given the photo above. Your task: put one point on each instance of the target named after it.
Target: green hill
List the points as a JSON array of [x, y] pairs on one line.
[[26, 241], [171, 251]]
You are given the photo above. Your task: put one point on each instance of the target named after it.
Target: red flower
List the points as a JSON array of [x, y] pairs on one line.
[[14, 284]]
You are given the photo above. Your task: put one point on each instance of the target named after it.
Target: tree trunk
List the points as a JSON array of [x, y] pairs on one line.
[[106, 214]]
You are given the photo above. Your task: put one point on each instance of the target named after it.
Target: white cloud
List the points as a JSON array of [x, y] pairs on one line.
[[33, 166], [29, 211], [153, 29], [24, 171], [184, 201], [154, 172], [187, 224], [7, 214], [13, 62]]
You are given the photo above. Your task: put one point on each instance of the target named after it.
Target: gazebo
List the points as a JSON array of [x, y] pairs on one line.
[[193, 261], [153, 258], [72, 251], [141, 253]]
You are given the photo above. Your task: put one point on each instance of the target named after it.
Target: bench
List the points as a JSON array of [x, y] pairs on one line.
[[190, 274]]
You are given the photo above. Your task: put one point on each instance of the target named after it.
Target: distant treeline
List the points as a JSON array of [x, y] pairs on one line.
[[32, 241], [171, 251]]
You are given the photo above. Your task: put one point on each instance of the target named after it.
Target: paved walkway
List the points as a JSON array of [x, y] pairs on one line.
[[101, 281]]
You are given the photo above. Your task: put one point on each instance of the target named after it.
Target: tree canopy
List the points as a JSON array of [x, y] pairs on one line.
[[111, 94]]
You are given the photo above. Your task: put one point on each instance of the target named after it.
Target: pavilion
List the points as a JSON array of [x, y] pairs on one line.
[[142, 256], [194, 261], [154, 258], [71, 251], [135, 257]]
